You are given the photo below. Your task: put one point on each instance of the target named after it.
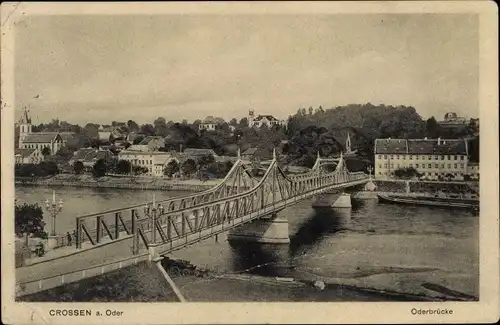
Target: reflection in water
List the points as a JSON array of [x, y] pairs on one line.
[[324, 221], [261, 259]]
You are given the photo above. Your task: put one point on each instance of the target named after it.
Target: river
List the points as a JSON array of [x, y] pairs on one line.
[[387, 247]]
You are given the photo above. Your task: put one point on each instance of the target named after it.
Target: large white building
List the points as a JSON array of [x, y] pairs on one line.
[[432, 158], [154, 161]]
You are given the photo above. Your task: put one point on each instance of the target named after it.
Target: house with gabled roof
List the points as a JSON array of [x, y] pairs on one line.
[[89, 156], [28, 156]]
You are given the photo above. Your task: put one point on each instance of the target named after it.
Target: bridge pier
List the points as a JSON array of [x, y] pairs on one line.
[[269, 230]]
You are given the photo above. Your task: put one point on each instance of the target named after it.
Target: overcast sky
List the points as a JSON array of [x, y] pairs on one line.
[[105, 68]]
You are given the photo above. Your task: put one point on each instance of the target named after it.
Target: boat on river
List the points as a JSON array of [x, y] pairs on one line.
[[437, 201]]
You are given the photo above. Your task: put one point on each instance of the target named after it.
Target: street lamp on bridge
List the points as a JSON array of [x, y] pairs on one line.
[[54, 208], [370, 169], [152, 211]]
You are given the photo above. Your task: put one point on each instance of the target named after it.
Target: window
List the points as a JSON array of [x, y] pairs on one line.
[[449, 165], [455, 157], [423, 166], [429, 165], [380, 166], [392, 156], [385, 156], [411, 157], [397, 156], [449, 157], [461, 157], [385, 165], [404, 157], [436, 165], [442, 157], [380, 173], [379, 156], [436, 157], [411, 165], [416, 165], [429, 157], [442, 165], [455, 166], [461, 165]]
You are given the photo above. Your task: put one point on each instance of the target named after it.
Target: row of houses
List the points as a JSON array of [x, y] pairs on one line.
[[210, 123], [432, 158]]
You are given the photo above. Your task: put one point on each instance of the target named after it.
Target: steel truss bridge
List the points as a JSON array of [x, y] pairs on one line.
[[177, 222]]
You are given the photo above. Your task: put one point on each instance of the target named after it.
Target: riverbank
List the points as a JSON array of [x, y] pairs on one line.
[[402, 186], [143, 283], [120, 182]]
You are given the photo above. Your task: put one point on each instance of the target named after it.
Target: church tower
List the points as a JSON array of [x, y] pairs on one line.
[[24, 127], [250, 117], [348, 143]]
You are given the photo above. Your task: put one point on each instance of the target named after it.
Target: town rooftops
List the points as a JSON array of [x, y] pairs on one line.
[[199, 152], [421, 146], [24, 152], [148, 139], [90, 155]]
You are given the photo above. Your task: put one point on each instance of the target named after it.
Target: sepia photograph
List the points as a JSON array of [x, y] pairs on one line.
[[261, 153]]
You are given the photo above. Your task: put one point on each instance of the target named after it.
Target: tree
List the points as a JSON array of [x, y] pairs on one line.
[[29, 220], [407, 172], [78, 167], [132, 126], [100, 168], [123, 167], [91, 130], [138, 139], [243, 122], [147, 129], [233, 122], [189, 167], [46, 151], [205, 160], [171, 168]]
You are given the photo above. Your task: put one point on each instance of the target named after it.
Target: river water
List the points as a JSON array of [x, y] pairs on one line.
[[393, 247]]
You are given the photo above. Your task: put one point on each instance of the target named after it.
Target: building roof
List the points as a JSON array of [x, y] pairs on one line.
[[421, 146], [41, 137], [269, 117], [91, 155], [24, 152], [148, 139], [212, 120], [199, 152]]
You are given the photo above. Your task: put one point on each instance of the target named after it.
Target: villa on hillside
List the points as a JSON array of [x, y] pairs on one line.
[[452, 120], [260, 120], [149, 143], [210, 123]]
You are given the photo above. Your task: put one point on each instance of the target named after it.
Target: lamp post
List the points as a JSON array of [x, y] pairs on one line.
[[370, 169], [152, 211], [54, 208]]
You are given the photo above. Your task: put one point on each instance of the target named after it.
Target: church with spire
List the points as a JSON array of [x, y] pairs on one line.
[[39, 140]]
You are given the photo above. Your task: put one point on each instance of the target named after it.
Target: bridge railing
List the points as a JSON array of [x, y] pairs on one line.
[[113, 222], [274, 190]]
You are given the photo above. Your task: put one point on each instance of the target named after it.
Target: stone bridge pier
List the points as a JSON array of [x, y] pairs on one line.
[[272, 229], [262, 246]]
